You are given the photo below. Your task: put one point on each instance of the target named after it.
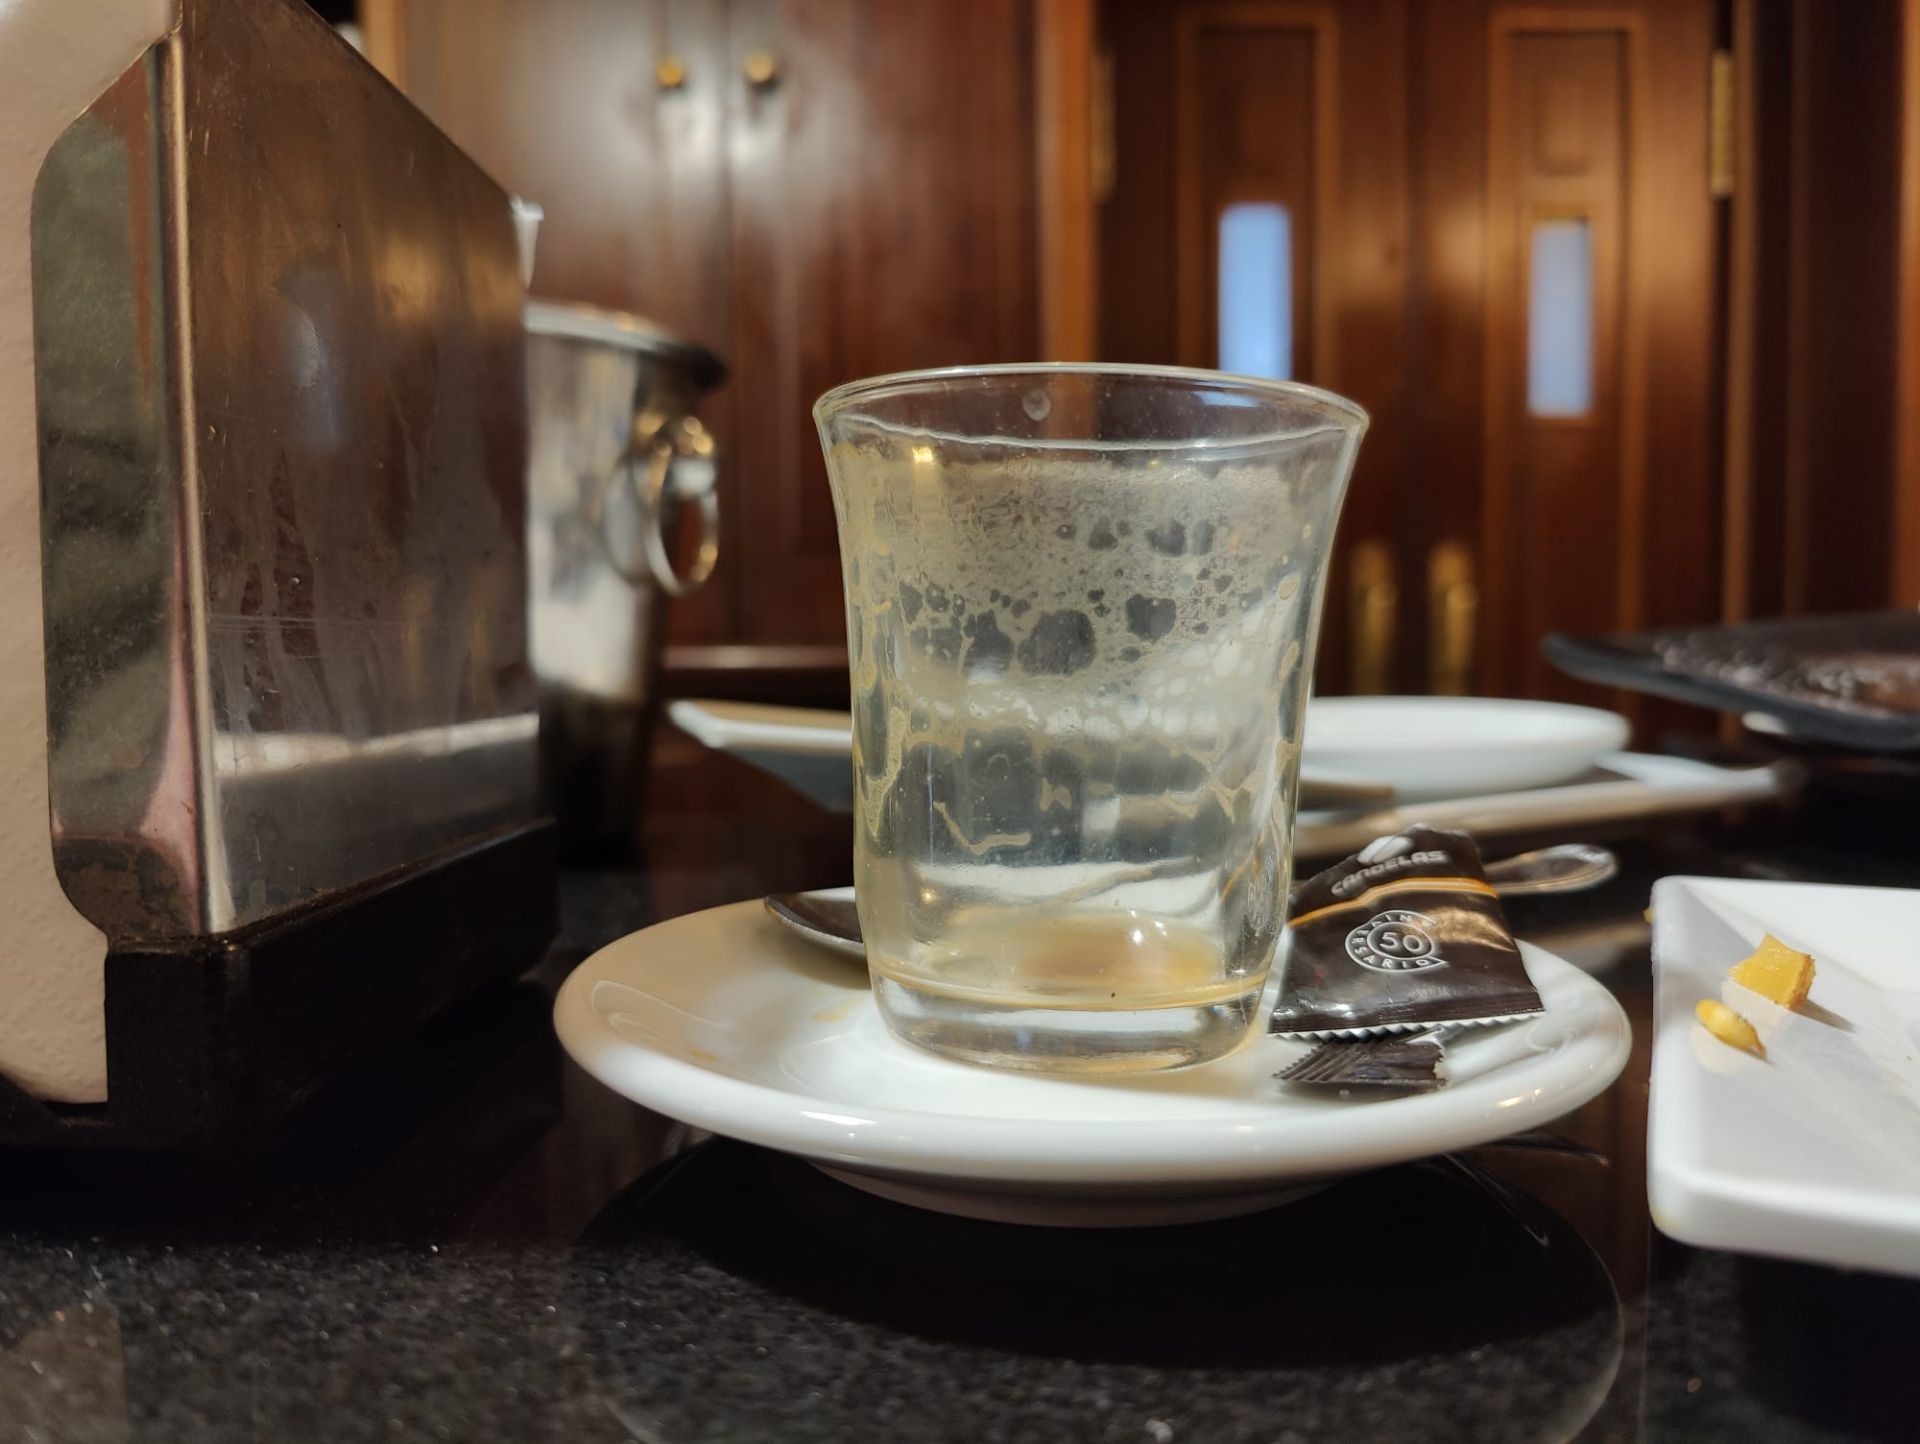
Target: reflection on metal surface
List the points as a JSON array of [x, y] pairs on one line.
[[680, 466], [614, 448], [1101, 160], [1720, 125], [761, 68], [1453, 619], [1373, 608], [612, 441], [280, 372]]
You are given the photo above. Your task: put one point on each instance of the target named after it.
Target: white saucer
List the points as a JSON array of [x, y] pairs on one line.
[[725, 1020], [1432, 747]]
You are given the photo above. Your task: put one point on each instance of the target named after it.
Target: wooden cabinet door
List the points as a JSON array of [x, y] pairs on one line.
[[816, 189], [1570, 137], [882, 219], [1293, 115], [611, 114], [1493, 229]]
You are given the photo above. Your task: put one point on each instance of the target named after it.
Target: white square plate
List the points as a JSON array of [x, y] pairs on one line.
[[1814, 1151]]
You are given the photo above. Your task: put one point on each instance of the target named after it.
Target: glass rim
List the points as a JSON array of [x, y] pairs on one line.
[[1330, 403]]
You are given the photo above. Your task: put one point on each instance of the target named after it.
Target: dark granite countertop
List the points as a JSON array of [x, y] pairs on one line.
[[476, 1242]]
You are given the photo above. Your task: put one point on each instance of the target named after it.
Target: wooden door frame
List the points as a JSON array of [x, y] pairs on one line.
[[1504, 364], [1905, 582], [1065, 101], [1742, 307], [1822, 449]]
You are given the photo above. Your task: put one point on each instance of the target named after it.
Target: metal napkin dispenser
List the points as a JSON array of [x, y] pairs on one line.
[[280, 377]]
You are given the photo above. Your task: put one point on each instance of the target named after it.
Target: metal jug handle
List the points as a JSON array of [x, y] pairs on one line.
[[683, 439]]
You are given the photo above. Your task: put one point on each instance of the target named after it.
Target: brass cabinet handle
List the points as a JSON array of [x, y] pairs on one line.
[[761, 67], [670, 72], [1453, 619], [1373, 605]]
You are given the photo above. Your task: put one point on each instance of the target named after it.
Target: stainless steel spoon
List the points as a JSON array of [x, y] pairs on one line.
[[1567, 867], [1570, 867]]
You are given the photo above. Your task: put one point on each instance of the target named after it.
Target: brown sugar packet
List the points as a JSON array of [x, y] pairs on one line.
[[1398, 1063], [1403, 936]]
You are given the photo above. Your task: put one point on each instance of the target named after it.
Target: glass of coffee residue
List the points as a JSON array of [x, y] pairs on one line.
[[1081, 611]]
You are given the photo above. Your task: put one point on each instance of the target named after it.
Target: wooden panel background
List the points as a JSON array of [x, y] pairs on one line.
[[1841, 360], [870, 207], [1563, 102], [1417, 277], [560, 103], [1828, 320], [1905, 583], [1066, 142], [1445, 426], [1619, 528], [1371, 284], [1218, 102], [1256, 118], [874, 208], [882, 220]]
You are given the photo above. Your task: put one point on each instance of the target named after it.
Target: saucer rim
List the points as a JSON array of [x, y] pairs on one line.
[[1091, 1152]]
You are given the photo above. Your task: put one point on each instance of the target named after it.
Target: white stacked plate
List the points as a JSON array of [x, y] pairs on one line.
[[1493, 767]]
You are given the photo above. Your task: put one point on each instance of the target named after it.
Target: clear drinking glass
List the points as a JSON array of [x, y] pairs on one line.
[[1081, 610]]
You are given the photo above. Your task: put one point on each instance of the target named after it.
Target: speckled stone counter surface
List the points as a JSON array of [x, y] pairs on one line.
[[476, 1242]]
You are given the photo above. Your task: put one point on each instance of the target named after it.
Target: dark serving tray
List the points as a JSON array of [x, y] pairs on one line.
[[1845, 681]]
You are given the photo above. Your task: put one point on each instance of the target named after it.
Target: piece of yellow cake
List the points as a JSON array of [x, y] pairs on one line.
[[1776, 971], [1728, 1026]]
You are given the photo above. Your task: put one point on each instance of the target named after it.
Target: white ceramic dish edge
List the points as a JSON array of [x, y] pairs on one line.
[[1001, 1151], [1751, 1209]]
